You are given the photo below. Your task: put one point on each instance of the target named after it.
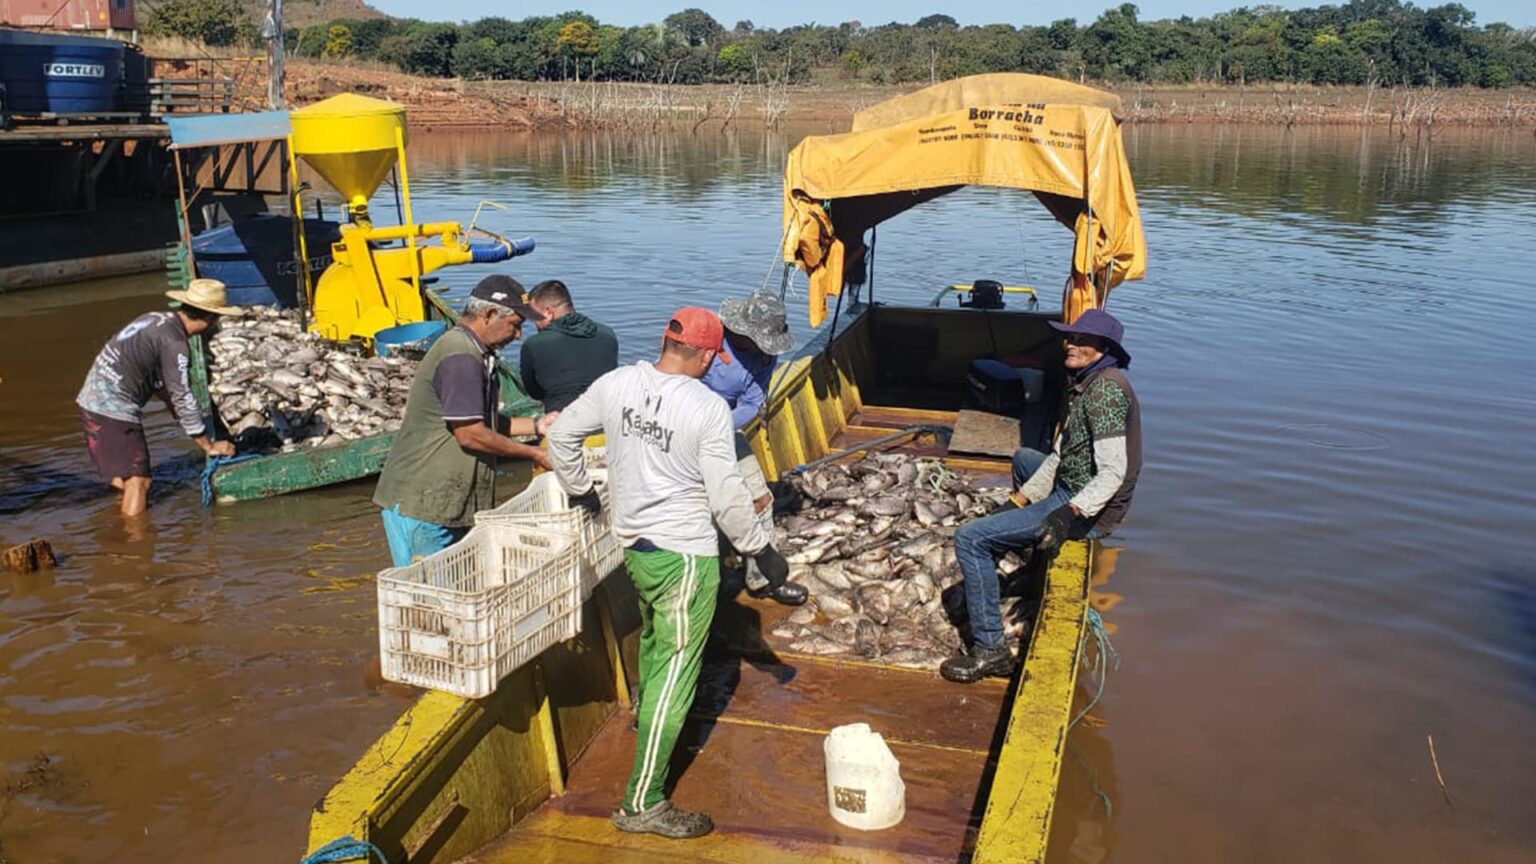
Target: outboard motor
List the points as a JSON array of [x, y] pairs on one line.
[[985, 294]]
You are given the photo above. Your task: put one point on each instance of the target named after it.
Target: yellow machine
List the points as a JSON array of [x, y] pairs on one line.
[[374, 282]]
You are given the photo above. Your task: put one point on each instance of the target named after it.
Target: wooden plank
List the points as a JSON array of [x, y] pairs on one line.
[[985, 433], [905, 416], [92, 132], [1017, 821]]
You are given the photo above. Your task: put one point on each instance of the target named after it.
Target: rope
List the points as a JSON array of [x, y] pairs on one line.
[[1093, 780], [213, 464], [1105, 658], [347, 848], [934, 474]]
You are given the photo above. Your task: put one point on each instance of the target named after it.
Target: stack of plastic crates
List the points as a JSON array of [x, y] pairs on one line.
[[545, 505], [461, 619]]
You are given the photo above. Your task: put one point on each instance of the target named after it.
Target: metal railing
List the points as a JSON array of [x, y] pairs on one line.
[[191, 96]]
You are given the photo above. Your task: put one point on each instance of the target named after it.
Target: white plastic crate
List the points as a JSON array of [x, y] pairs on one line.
[[545, 505], [461, 619]]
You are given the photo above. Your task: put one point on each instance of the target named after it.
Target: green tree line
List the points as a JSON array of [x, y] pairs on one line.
[[1363, 41]]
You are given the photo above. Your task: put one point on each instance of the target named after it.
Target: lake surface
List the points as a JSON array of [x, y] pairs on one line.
[[1331, 556]]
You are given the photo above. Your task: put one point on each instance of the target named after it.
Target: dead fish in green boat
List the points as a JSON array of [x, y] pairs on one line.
[[279, 387]]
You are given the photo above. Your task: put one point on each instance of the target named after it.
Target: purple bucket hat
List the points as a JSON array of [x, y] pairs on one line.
[[1097, 322]]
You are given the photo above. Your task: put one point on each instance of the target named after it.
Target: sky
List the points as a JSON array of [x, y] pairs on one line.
[[784, 13]]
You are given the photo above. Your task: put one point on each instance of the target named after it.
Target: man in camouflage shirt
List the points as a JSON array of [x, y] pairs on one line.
[[1082, 488]]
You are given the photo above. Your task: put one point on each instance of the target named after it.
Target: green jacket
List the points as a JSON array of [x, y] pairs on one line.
[[427, 473], [563, 359]]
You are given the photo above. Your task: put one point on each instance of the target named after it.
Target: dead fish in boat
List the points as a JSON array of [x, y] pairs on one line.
[[874, 541], [277, 386]]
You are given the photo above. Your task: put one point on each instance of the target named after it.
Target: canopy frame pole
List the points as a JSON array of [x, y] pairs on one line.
[[874, 236], [1088, 209], [836, 311], [186, 218]]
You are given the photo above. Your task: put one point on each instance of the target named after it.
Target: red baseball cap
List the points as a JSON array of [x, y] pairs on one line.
[[699, 328]]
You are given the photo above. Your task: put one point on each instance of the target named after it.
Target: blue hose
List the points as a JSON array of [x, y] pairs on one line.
[[213, 464], [347, 848], [490, 253]]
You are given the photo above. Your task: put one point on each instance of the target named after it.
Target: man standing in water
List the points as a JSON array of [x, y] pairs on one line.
[[756, 333], [1081, 489], [442, 467], [569, 352], [148, 357], [673, 472]]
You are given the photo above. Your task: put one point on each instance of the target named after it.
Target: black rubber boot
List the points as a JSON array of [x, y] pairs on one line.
[[971, 666], [787, 593], [666, 820]]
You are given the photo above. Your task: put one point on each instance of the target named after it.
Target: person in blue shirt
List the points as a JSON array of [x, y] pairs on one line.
[[756, 333]]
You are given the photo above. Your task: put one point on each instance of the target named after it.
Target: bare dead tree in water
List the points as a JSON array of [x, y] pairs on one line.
[[1416, 109], [773, 90], [1370, 91], [733, 104], [1287, 110], [708, 108]]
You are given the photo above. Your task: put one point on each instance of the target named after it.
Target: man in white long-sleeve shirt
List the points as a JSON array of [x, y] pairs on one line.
[[673, 477], [1082, 488]]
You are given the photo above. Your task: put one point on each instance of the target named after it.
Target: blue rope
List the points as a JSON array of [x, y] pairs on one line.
[[347, 848], [1093, 780], [1105, 658], [213, 464]]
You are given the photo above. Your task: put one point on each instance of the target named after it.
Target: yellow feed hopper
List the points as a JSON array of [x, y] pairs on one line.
[[374, 282]]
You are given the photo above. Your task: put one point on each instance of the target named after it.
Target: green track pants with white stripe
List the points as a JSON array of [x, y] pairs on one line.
[[677, 603]]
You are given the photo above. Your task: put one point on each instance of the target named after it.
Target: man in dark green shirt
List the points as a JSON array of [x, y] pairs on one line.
[[442, 466], [569, 352], [1082, 488]]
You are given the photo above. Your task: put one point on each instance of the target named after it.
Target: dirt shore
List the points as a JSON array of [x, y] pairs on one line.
[[430, 103], [456, 104]]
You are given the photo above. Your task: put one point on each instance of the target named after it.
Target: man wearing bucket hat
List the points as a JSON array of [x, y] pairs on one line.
[[672, 479], [149, 357], [442, 465], [1082, 488], [756, 333]]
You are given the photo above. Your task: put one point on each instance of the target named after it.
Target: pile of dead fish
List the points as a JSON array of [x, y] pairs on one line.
[[278, 387], [874, 543]]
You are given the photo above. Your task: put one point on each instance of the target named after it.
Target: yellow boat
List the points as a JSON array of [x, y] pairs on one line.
[[531, 773]]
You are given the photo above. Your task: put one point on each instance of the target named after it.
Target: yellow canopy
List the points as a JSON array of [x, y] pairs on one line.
[[836, 187]]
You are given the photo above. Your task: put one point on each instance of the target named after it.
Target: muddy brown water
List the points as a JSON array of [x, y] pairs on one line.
[[1329, 558]]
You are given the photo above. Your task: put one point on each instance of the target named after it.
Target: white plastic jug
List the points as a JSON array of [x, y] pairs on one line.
[[864, 788]]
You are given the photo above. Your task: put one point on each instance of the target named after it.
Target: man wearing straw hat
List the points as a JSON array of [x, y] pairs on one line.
[[148, 357], [673, 478], [756, 334]]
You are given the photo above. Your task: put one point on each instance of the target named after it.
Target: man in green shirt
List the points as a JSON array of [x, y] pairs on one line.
[[1081, 489], [442, 467], [569, 352]]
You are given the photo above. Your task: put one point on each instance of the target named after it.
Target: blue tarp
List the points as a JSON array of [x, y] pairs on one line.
[[207, 130]]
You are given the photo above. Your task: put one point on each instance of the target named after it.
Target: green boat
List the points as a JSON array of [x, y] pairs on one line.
[[269, 474], [239, 163]]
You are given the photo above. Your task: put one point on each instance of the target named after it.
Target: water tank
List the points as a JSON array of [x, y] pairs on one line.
[[254, 257], [44, 73]]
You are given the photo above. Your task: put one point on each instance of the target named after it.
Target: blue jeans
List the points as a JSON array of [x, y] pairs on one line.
[[981, 542], [410, 539]]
